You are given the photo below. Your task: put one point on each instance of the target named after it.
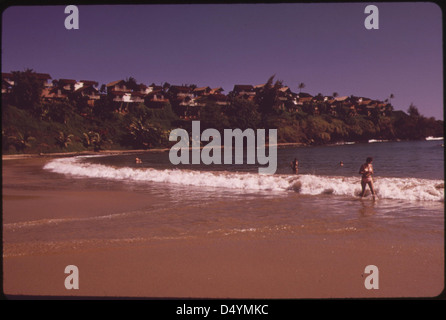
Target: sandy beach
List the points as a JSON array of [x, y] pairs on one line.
[[279, 267]]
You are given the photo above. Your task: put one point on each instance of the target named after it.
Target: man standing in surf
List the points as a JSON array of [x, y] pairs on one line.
[[367, 170], [295, 165]]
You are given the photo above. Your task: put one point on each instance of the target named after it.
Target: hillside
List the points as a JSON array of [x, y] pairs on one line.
[[34, 123]]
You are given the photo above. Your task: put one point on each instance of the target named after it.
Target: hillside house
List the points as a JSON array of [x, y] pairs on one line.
[[190, 108], [90, 92], [186, 101], [318, 98], [143, 89], [117, 86], [85, 83], [119, 96], [200, 101], [155, 99], [181, 92], [303, 97], [137, 97], [218, 90], [342, 99], [285, 91], [364, 101], [153, 87], [127, 97], [65, 85], [7, 82], [59, 90], [244, 91], [44, 78], [203, 91]]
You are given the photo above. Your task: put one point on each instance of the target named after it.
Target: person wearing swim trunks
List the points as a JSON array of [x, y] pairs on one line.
[[294, 165], [367, 170]]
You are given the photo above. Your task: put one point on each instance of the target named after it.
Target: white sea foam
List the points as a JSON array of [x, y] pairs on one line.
[[430, 138], [387, 188]]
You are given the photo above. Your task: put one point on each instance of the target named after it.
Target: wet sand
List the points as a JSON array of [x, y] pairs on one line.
[[279, 267]]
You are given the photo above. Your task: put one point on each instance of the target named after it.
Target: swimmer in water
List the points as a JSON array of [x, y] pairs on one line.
[[294, 165]]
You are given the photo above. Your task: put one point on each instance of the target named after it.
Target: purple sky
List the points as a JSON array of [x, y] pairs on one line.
[[325, 46]]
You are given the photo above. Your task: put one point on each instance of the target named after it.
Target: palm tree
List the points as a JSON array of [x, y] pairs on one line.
[[413, 111], [95, 139], [301, 86], [391, 97], [145, 134], [64, 139], [21, 141], [267, 97], [27, 90], [166, 86], [335, 94]]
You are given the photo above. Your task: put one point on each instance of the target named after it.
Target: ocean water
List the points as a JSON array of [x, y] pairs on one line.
[[212, 201]]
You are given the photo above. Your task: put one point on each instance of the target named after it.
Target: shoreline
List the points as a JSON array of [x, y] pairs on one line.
[[139, 151], [109, 152], [164, 149], [77, 153]]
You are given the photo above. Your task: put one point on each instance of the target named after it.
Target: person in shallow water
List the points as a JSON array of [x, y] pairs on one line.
[[294, 165], [367, 170]]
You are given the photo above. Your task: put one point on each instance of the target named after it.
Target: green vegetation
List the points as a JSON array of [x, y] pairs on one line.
[[33, 125]]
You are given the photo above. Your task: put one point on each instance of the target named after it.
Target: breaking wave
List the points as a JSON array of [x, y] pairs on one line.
[[387, 188]]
